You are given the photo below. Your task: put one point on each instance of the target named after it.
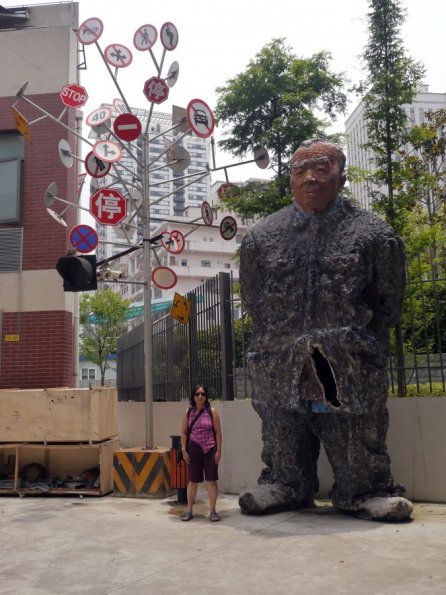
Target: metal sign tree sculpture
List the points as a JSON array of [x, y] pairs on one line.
[[113, 135]]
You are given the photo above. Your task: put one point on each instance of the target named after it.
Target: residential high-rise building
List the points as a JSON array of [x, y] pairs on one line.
[[359, 156], [164, 182]]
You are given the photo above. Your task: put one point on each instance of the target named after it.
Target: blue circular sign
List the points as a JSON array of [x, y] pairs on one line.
[[84, 238]]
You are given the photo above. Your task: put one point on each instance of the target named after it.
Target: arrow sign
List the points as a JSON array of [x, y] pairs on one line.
[[127, 127], [107, 150], [169, 36], [84, 238], [118, 55]]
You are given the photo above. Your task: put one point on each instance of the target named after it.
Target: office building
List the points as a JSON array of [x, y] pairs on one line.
[[355, 128]]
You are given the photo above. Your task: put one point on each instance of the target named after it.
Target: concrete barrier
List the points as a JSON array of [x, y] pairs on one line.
[[416, 442]]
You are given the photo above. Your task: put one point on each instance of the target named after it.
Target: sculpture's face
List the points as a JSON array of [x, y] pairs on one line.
[[316, 177]]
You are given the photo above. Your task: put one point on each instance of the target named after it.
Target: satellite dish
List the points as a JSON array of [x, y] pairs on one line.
[[179, 116], [173, 74], [180, 161], [56, 216], [261, 157], [94, 185], [21, 91], [51, 194], [65, 153]]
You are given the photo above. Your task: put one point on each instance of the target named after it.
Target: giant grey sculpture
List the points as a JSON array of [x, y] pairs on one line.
[[323, 281]]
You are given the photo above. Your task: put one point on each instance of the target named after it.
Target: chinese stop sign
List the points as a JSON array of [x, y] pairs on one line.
[[108, 206], [156, 90], [74, 95]]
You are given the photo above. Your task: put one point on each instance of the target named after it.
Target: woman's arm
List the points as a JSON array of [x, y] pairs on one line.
[[218, 436], [184, 436]]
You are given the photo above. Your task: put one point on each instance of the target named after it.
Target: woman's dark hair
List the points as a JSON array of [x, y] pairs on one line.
[[192, 395]]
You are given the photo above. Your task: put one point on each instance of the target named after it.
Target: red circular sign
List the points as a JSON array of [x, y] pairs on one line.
[[127, 127], [200, 118], [84, 238], [108, 206], [164, 278], [95, 166], [73, 95], [228, 227], [206, 212]]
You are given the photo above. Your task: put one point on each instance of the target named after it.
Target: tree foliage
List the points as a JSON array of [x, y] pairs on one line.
[[279, 101], [392, 79], [102, 316]]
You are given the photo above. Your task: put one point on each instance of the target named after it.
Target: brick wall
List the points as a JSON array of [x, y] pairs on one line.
[[43, 356]]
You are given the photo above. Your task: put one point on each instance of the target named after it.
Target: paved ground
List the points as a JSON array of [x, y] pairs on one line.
[[126, 546]]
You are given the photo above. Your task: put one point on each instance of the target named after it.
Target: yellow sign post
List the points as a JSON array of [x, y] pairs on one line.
[[21, 124], [181, 308]]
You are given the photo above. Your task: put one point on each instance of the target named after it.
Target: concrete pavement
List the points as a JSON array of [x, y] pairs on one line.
[[124, 546]]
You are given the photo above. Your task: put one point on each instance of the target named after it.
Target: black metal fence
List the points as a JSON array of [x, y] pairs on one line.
[[211, 349], [184, 355]]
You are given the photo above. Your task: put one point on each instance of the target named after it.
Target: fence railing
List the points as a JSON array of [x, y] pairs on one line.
[[212, 348]]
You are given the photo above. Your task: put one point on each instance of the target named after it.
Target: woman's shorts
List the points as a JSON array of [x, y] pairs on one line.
[[199, 462]]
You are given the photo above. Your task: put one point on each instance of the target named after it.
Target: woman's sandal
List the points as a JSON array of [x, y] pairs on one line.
[[214, 517], [187, 516]]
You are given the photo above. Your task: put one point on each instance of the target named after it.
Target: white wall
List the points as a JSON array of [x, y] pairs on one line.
[[416, 443]]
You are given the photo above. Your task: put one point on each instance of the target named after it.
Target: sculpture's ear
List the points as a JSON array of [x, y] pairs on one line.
[[342, 180]]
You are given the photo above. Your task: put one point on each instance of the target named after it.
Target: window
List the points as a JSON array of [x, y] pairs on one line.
[[184, 262], [206, 264], [88, 374], [227, 265], [11, 157]]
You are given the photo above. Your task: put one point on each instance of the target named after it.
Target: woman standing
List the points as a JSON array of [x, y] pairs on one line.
[[201, 447]]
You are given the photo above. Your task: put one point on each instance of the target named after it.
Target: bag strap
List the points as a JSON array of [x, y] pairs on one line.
[[189, 429]]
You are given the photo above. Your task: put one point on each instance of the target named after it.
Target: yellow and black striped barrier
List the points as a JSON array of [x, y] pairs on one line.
[[142, 473]]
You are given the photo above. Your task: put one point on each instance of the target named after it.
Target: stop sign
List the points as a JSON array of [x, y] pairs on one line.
[[108, 206], [156, 90], [73, 95]]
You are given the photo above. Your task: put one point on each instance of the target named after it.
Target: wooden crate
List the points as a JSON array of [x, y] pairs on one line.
[[58, 415], [64, 462]]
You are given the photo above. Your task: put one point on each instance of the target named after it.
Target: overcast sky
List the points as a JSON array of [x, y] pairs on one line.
[[218, 39]]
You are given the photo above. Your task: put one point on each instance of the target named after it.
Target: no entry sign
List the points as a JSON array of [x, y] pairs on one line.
[[84, 238], [127, 127]]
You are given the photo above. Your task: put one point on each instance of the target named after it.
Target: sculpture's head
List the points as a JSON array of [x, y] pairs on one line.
[[317, 175]]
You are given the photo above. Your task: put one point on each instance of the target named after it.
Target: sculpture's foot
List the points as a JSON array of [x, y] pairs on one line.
[[391, 509], [267, 498]]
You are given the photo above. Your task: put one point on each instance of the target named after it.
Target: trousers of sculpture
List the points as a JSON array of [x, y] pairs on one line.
[[354, 444]]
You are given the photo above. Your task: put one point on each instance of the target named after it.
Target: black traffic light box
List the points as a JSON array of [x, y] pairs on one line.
[[78, 272]]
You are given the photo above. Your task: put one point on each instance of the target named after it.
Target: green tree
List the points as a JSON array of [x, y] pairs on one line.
[[279, 101], [392, 79], [102, 316]]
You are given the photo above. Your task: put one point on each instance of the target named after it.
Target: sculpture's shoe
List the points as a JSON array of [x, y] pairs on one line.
[[268, 498], [392, 509]]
